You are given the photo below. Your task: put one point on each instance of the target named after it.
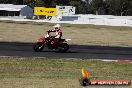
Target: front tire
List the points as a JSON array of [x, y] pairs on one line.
[[63, 47], [38, 47]]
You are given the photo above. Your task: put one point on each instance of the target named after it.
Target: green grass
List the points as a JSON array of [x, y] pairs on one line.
[[57, 73], [80, 34], [17, 72]]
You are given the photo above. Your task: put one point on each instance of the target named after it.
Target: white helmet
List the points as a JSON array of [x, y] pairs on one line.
[[57, 26]]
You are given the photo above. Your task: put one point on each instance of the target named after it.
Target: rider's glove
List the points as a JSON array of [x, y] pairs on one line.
[[49, 31]]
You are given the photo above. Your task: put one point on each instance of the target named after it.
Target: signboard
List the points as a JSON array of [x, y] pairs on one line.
[[44, 11], [65, 10]]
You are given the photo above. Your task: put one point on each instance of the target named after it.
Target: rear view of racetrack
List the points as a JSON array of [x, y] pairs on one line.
[[75, 51]]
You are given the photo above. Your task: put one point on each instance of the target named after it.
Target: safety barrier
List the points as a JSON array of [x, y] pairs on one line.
[[84, 19]]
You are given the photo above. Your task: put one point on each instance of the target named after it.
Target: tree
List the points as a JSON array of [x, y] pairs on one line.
[[130, 9], [118, 7], [96, 6], [3, 1], [105, 7]]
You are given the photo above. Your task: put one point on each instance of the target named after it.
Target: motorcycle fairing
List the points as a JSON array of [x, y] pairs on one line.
[[40, 39]]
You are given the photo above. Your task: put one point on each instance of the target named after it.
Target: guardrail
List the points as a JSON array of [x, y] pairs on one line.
[[84, 19]]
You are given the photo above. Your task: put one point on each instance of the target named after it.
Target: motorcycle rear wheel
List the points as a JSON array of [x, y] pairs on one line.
[[38, 47]]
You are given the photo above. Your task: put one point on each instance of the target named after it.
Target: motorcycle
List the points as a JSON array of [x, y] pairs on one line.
[[52, 44]]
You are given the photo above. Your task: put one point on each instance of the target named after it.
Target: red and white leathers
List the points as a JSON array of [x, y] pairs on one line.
[[58, 32]]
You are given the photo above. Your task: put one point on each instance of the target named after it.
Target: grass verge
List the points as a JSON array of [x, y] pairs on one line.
[[80, 34], [17, 72]]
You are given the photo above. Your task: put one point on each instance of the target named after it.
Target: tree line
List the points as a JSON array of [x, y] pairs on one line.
[[98, 7]]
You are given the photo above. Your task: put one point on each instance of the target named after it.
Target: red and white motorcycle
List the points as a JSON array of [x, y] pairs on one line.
[[51, 43]]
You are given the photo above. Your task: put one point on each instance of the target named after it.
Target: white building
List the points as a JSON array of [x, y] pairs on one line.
[[16, 10]]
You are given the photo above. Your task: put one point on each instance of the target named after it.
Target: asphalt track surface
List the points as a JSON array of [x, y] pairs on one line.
[[75, 51]]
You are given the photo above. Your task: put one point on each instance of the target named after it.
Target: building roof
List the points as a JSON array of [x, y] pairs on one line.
[[11, 7]]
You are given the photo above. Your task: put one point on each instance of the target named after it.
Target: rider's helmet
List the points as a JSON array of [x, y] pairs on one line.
[[56, 27]]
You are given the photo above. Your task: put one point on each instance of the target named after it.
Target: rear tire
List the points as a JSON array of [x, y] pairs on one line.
[[38, 47]]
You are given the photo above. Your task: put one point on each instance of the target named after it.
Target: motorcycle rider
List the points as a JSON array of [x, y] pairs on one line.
[[57, 30]]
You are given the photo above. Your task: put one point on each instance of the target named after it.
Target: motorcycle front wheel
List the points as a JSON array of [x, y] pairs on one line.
[[63, 47], [38, 47]]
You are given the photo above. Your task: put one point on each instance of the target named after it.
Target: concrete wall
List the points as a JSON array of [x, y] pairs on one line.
[[99, 19], [85, 19]]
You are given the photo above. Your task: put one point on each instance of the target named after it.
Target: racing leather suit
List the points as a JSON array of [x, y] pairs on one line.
[[57, 36]]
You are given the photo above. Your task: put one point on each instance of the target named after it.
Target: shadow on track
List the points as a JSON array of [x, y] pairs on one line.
[[76, 51]]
